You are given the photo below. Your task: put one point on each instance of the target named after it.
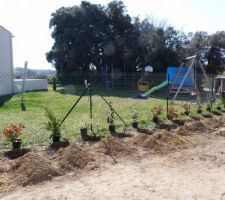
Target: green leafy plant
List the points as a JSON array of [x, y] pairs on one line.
[[53, 122], [222, 98], [110, 116], [134, 114], [208, 105]]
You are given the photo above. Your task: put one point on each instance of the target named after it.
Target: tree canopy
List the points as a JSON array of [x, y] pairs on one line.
[[92, 34]]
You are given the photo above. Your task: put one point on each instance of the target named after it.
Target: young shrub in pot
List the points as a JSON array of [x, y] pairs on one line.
[[110, 120], [172, 112], [187, 108], [134, 116], [157, 111], [12, 133], [53, 125]]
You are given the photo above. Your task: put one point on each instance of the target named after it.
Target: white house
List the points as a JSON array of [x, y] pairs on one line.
[[6, 62], [7, 83]]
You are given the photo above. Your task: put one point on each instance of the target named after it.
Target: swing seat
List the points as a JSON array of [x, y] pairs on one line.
[[194, 93]]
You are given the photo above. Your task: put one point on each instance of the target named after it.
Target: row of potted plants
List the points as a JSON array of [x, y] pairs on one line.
[[13, 131]]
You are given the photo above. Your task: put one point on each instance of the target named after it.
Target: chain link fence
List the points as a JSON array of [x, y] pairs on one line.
[[120, 91]]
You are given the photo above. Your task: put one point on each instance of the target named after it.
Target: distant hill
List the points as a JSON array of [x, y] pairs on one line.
[[34, 73]]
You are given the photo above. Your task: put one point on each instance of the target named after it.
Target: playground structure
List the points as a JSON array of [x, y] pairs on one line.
[[219, 84], [180, 79]]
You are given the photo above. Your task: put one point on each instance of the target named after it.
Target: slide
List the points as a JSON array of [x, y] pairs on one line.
[[158, 87]]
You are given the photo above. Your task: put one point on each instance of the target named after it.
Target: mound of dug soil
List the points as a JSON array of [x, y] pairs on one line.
[[196, 126], [182, 131], [212, 123], [170, 139], [115, 147], [161, 142], [147, 142], [32, 169], [73, 157]]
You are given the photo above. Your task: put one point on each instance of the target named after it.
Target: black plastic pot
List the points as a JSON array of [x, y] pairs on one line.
[[83, 131], [218, 107], [55, 137], [155, 119], [199, 111], [208, 109], [186, 112], [16, 144], [135, 124], [112, 128]]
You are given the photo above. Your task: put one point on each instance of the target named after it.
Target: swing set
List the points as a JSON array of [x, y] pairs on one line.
[[190, 63]]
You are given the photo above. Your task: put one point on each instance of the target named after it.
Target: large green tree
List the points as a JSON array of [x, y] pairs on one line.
[[79, 33], [91, 33]]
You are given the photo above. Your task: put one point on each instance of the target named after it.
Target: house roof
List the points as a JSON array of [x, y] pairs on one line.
[[6, 30]]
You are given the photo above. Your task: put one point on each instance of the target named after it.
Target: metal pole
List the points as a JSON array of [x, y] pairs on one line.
[[86, 89], [168, 93], [124, 73], [212, 93], [90, 93]]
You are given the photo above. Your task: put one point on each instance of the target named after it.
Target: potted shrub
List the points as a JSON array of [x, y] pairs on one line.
[[223, 99], [13, 132], [84, 129], [218, 107], [157, 111], [199, 106], [134, 116], [53, 125], [110, 120], [187, 108], [172, 112], [208, 107]]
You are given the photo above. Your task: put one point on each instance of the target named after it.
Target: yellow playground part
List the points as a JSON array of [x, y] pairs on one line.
[[143, 83]]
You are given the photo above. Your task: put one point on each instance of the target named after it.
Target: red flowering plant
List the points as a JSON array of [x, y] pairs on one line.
[[187, 108], [13, 131]]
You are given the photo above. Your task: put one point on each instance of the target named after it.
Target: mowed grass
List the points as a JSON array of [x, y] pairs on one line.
[[60, 101]]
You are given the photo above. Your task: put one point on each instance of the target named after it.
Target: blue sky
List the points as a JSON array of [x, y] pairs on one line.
[[28, 20]]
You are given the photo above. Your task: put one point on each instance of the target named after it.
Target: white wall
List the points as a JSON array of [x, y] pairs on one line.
[[6, 64], [30, 85]]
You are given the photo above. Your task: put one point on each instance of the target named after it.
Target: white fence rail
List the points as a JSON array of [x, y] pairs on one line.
[[30, 85]]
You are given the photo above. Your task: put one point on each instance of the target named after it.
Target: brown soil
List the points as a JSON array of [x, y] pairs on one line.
[[115, 147], [16, 153], [196, 126], [212, 123], [31, 169], [161, 142], [73, 157], [34, 168], [182, 131], [147, 142]]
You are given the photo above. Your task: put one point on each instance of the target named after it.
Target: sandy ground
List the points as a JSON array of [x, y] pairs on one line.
[[194, 173]]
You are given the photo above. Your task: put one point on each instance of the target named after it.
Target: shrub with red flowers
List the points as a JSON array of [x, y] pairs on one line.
[[187, 107], [172, 111], [157, 111], [13, 131]]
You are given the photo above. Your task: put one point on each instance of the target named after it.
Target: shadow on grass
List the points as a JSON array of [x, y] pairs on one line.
[[128, 93], [4, 99], [99, 91]]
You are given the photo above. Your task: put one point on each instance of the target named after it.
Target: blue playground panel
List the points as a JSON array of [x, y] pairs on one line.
[[171, 71]]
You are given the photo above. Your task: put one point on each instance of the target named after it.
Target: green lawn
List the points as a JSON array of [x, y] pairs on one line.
[[62, 100]]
